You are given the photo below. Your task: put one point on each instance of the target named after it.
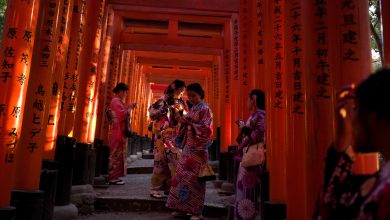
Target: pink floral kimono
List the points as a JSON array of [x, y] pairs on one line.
[[166, 153], [187, 193], [248, 181], [118, 142]]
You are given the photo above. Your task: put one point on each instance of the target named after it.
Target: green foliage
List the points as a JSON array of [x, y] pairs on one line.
[[3, 7], [376, 32]]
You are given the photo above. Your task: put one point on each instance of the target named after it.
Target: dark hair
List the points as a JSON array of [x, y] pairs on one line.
[[177, 84], [373, 94], [119, 87], [260, 98], [197, 88]]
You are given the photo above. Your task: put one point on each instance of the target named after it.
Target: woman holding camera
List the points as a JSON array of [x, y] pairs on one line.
[[166, 153], [119, 112]]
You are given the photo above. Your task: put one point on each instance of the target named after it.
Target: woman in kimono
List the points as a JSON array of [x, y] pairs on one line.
[[166, 153], [187, 192], [362, 125], [118, 152], [248, 181]]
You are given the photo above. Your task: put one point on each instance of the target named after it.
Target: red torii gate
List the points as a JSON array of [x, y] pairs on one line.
[[265, 44]]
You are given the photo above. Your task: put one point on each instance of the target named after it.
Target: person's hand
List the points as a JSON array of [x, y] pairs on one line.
[[343, 116], [240, 123]]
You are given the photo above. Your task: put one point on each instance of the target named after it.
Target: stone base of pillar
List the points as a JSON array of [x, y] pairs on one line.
[[274, 211], [83, 196], [227, 188], [65, 212], [65, 154], [100, 182], [8, 213], [28, 204], [48, 184]]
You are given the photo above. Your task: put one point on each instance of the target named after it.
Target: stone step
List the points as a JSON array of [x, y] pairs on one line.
[[134, 197], [115, 204], [139, 170], [141, 166], [147, 156], [154, 215]]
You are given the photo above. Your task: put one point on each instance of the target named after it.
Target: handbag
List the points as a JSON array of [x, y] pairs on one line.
[[127, 131], [206, 173], [253, 155]]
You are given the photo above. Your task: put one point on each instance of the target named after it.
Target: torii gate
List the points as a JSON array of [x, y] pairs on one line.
[[57, 79]]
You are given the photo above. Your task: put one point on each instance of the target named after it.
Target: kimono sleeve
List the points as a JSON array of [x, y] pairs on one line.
[[256, 131], [119, 110], [203, 128]]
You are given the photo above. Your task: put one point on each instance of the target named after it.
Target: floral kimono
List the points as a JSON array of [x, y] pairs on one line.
[[187, 193], [247, 202], [377, 205], [165, 151], [118, 141], [346, 195]]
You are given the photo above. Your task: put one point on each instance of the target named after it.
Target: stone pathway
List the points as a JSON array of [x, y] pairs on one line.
[[135, 216], [132, 200]]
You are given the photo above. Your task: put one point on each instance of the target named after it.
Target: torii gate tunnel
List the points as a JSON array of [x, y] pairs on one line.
[[62, 58]]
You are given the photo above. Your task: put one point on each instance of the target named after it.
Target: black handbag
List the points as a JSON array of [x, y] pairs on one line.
[[128, 132]]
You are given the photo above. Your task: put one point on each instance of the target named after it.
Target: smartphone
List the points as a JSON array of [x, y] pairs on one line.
[[240, 122], [347, 92]]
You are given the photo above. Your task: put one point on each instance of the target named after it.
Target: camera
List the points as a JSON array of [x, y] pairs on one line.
[[171, 100]]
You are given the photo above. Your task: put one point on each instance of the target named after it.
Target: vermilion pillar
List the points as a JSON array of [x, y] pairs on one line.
[[276, 105], [130, 77], [352, 34], [29, 152], [17, 50], [102, 122], [216, 92], [296, 74], [98, 52], [235, 80], [108, 95], [88, 70], [320, 89], [63, 33], [116, 63], [133, 93], [225, 91], [259, 17], [385, 7], [71, 76], [247, 66]]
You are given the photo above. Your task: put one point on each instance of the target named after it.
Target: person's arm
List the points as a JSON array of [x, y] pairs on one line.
[[256, 130], [203, 129], [119, 110]]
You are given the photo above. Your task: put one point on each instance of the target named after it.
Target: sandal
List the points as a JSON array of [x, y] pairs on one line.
[[196, 217], [155, 194], [117, 182], [178, 214]]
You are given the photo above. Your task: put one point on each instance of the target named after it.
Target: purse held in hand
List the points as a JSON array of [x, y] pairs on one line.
[[253, 155], [206, 173]]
